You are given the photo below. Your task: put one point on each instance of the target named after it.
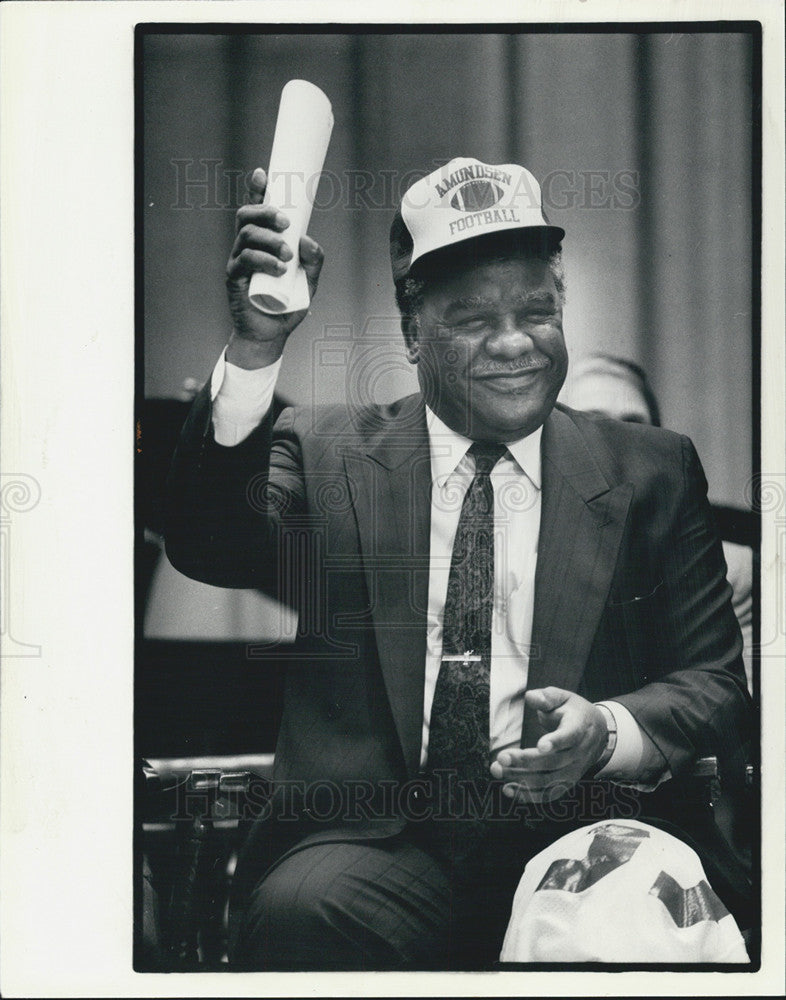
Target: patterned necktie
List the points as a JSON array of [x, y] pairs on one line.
[[459, 728]]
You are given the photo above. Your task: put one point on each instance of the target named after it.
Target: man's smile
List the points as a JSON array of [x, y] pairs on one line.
[[511, 377]]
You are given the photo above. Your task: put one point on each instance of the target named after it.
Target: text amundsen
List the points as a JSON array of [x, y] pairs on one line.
[[471, 173]]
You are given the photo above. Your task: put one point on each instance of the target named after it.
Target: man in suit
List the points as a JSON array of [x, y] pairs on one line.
[[513, 618]]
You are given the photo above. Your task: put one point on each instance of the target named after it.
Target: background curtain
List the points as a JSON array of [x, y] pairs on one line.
[[643, 143]]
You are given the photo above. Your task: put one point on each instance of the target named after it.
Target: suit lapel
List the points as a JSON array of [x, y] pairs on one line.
[[392, 504], [582, 521]]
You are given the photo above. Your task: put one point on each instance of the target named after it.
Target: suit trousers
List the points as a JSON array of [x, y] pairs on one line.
[[385, 904]]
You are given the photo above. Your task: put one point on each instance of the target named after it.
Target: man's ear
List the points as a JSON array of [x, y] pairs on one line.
[[409, 327]]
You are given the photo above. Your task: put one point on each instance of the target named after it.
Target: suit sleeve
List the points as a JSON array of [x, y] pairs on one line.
[[225, 505], [699, 704]]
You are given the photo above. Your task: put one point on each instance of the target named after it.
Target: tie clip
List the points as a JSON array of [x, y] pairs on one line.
[[468, 657]]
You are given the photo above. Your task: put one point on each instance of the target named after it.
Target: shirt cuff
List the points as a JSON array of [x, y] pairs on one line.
[[241, 399], [635, 759]]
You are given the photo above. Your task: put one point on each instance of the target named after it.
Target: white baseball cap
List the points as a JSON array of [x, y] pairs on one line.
[[462, 200]]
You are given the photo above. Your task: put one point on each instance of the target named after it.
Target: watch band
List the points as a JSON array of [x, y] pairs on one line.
[[611, 739]]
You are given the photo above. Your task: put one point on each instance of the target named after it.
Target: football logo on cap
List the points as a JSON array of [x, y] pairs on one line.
[[474, 196]]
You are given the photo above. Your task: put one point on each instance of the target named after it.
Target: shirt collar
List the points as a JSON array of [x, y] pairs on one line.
[[448, 448]]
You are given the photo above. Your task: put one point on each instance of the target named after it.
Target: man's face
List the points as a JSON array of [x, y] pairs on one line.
[[492, 356]]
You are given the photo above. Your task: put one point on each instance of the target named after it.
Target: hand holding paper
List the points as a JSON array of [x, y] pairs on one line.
[[258, 338]]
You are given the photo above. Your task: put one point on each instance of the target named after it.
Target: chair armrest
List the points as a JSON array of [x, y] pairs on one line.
[[172, 770], [705, 767]]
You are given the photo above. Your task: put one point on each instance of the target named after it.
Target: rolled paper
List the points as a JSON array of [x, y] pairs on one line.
[[303, 127]]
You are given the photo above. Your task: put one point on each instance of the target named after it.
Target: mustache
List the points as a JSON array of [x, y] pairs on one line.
[[489, 371]]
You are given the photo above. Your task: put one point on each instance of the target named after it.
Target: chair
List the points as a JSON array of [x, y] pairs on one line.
[[193, 826], [191, 831]]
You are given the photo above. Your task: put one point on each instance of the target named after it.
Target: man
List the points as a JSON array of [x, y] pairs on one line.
[[513, 619]]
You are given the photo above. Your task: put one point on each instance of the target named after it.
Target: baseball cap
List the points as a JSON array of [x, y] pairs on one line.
[[460, 201]]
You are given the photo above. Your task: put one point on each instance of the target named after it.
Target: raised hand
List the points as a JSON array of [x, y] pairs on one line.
[[258, 338]]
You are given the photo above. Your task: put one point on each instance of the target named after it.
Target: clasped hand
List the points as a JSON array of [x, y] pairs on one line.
[[574, 740]]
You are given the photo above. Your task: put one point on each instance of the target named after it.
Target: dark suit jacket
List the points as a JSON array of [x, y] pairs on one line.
[[330, 510]]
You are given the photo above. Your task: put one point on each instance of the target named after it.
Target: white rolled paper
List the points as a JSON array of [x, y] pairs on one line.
[[303, 127]]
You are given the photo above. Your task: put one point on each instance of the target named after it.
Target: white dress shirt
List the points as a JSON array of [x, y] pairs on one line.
[[516, 482], [241, 400]]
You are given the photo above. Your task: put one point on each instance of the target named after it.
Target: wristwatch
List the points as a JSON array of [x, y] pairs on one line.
[[611, 738]]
